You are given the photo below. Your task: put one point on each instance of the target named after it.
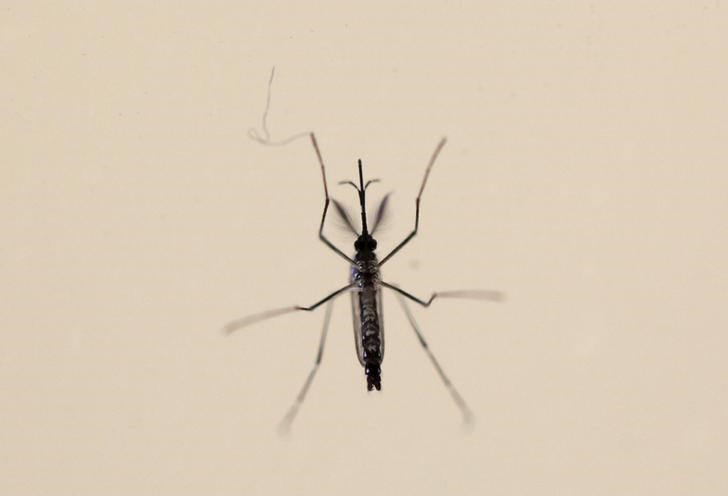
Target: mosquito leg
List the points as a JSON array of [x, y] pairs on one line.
[[327, 200], [285, 424], [477, 294], [269, 314], [264, 139], [411, 235], [457, 398]]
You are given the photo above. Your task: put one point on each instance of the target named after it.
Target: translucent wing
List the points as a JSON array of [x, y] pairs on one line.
[[344, 217], [381, 213]]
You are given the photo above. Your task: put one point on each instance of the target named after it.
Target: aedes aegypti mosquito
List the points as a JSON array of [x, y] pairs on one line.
[[365, 283]]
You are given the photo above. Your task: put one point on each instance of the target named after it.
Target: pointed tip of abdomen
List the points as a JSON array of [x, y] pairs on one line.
[[374, 376]]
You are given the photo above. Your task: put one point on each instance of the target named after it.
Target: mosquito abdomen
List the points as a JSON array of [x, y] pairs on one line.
[[372, 339], [374, 376]]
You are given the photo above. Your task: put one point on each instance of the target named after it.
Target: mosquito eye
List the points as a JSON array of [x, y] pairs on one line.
[[358, 245], [373, 244]]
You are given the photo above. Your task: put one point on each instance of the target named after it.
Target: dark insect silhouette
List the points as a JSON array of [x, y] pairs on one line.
[[365, 283]]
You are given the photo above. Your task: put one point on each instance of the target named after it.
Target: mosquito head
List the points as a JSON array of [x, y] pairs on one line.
[[374, 376], [365, 242]]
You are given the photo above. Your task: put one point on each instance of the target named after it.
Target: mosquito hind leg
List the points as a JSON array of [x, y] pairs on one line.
[[285, 425], [476, 294], [457, 398]]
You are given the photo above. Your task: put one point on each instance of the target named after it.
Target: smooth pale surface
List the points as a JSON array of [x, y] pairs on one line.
[[586, 175]]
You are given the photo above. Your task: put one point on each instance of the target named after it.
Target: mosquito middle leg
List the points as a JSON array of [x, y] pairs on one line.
[[269, 314]]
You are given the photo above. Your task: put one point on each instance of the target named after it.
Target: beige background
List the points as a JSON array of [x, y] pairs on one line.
[[586, 176]]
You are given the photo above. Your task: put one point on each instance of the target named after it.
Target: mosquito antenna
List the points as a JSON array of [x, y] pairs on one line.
[[350, 183], [370, 182]]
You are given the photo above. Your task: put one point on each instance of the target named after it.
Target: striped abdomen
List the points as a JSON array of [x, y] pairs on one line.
[[369, 332]]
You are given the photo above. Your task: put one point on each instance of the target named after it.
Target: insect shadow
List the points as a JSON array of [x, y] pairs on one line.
[[365, 282]]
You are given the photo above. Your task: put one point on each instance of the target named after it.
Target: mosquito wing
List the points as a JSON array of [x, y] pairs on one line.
[[382, 213], [343, 218]]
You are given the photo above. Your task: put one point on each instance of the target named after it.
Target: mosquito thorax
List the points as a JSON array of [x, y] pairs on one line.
[[365, 271]]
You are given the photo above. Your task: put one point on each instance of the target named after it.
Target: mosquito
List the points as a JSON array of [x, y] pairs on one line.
[[365, 283]]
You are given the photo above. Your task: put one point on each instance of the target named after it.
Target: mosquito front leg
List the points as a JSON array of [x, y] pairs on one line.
[[411, 235], [327, 201], [476, 294], [265, 139], [269, 314]]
